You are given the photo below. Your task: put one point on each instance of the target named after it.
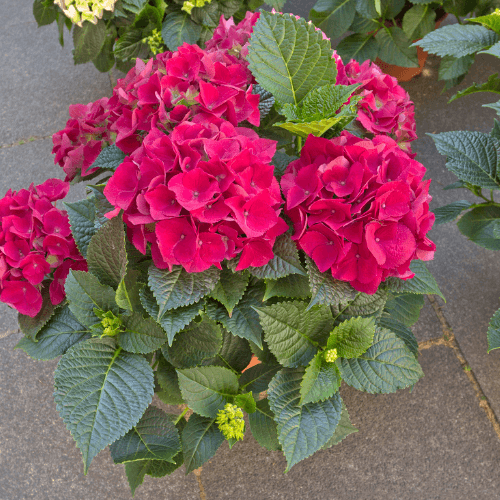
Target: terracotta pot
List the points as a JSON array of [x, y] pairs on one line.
[[406, 74], [254, 361]]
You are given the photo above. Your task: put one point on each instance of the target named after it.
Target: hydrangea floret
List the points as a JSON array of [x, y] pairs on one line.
[[220, 261], [85, 10]]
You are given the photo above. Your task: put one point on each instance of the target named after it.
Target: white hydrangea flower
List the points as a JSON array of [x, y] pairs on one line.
[[85, 10]]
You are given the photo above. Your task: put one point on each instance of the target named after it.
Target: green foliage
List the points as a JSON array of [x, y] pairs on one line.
[[333, 17], [405, 307], [246, 402], [140, 335], [169, 383], [494, 332], [178, 28], [453, 67], [234, 354], [109, 158], [81, 218], [358, 46], [88, 41], [400, 330], [257, 378], [492, 85], [45, 12], [263, 426], [292, 286], [450, 212], [479, 225], [364, 304], [344, 429], [394, 48], [266, 100], [32, 326], [230, 289], [418, 21], [352, 338], [491, 21]]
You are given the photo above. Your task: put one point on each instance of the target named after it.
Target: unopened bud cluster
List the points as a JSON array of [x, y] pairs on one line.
[[230, 422], [85, 10], [188, 5], [331, 355], [111, 324], [155, 42]]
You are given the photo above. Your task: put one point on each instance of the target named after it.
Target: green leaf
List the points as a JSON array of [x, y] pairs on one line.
[[257, 378], [32, 326], [457, 40], [479, 226], [201, 438], [246, 402], [180, 288], [362, 25], [418, 21], [154, 437], [394, 48], [400, 330], [302, 430], [81, 218], [293, 286], [471, 156], [178, 29], [390, 8], [132, 45], [106, 255], [422, 283], [289, 57], [321, 380], [85, 293], [491, 21], [275, 4], [494, 332], [110, 158], [450, 212], [492, 85], [128, 292], [456, 185], [344, 428], [199, 341], [244, 322], [358, 46], [207, 389], [266, 102], [333, 17], [387, 366], [45, 12], [285, 261], [364, 304], [140, 335], [101, 392], [325, 289], [452, 67], [263, 426], [234, 354], [56, 337], [208, 16], [280, 162], [353, 337], [105, 60], [169, 383], [88, 41], [405, 308], [494, 50], [134, 5], [366, 8], [292, 333], [230, 289], [317, 128]]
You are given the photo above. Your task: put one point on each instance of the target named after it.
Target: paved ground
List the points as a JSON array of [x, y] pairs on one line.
[[439, 442]]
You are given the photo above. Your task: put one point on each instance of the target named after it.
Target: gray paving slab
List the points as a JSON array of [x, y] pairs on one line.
[[467, 274], [38, 457], [39, 82], [435, 443], [428, 326], [17, 12]]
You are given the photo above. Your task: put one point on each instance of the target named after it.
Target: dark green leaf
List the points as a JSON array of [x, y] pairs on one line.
[[344, 428], [109, 158], [400, 330], [293, 286], [257, 378], [105, 60], [235, 353], [394, 48], [178, 29], [405, 308], [333, 17], [263, 426], [492, 85], [266, 100], [230, 289], [479, 226], [134, 5], [131, 44], [32, 326], [418, 21], [88, 41], [169, 383], [450, 212], [358, 46], [451, 67], [364, 304], [140, 335], [81, 218], [281, 161], [494, 332], [45, 12]]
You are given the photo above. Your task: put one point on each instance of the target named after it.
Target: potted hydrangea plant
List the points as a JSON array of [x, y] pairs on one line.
[[248, 202]]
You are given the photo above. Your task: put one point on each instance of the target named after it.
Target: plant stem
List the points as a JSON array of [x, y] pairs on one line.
[[156, 363], [181, 416]]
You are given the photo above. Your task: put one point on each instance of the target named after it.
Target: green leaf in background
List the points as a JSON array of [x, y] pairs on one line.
[[201, 438], [492, 21], [169, 383], [457, 40], [230, 289], [105, 60], [418, 21], [302, 430], [180, 288], [178, 28], [492, 85], [32, 326], [496, 107], [197, 342], [358, 46], [450, 212], [134, 6], [344, 428], [275, 4], [366, 8], [363, 304], [45, 12], [353, 337], [494, 50], [154, 437], [292, 333], [293, 286], [281, 161], [109, 158], [321, 380], [394, 48], [494, 332], [405, 308], [88, 41], [257, 378], [400, 330], [479, 225], [422, 283], [56, 337], [362, 25], [317, 128], [140, 335], [266, 102], [246, 402], [333, 17], [471, 156], [81, 218], [263, 426], [289, 57], [93, 383], [388, 365], [452, 67], [389, 9], [234, 354]]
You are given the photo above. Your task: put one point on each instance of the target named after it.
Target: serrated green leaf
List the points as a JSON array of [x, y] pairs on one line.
[[363, 304], [456, 185], [197, 342], [492, 85], [266, 101], [289, 57], [109, 158], [494, 332], [457, 40], [344, 428], [333, 17], [320, 382], [230, 289], [366, 8], [317, 128], [263, 426], [400, 330], [257, 378], [358, 46], [405, 308], [422, 283], [418, 21], [292, 333], [169, 383], [134, 5], [281, 161], [140, 335], [32, 326], [394, 48], [362, 25], [128, 292], [491, 21], [479, 226], [88, 41], [234, 354], [294, 286], [471, 156], [285, 261], [131, 44], [60, 333], [94, 383], [201, 438], [389, 9], [45, 12], [387, 366], [178, 28], [180, 288], [85, 293], [450, 212], [106, 255], [452, 67], [154, 437], [246, 402], [302, 430], [105, 60], [494, 50], [81, 218], [207, 389], [352, 338]]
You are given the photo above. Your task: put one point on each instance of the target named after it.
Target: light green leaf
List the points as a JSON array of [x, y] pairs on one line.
[[494, 332], [293, 286], [333, 17], [353, 337], [494, 50], [81, 218], [317, 128], [178, 28], [491, 21], [101, 392], [418, 21], [230, 289], [450, 212], [88, 41], [394, 48], [358, 46], [387, 366], [263, 426], [140, 335], [128, 292], [321, 380], [344, 428], [246, 402], [479, 225], [492, 85]]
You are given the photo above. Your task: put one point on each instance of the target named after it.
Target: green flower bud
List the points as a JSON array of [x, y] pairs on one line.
[[189, 5], [331, 355], [155, 42], [111, 324], [230, 422]]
